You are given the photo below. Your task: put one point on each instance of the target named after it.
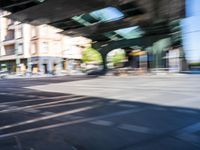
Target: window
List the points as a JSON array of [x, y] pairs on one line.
[[10, 49], [10, 35]]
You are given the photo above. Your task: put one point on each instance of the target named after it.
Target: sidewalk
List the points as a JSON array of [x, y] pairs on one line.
[[160, 90], [15, 76]]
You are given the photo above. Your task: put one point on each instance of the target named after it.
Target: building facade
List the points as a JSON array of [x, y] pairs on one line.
[[36, 49]]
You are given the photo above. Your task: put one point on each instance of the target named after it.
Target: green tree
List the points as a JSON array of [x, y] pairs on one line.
[[116, 57], [91, 55]]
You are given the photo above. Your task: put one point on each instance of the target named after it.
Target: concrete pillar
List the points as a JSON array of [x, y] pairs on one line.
[[104, 62], [40, 66], [158, 48], [50, 66], [59, 67]]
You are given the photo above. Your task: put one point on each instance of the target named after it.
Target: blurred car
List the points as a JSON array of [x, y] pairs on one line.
[[3, 74], [90, 67]]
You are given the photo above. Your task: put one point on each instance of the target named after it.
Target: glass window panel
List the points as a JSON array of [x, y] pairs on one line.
[[107, 14], [130, 33], [103, 15]]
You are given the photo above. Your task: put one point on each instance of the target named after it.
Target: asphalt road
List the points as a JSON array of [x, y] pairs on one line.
[[60, 114]]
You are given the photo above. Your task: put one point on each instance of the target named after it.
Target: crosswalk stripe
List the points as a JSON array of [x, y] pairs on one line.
[[68, 123], [50, 115], [33, 100], [42, 104]]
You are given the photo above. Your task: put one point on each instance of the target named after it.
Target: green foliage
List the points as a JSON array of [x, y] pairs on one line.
[[91, 55], [116, 57]]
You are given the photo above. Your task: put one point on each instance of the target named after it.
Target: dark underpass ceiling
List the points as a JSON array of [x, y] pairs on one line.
[[101, 20]]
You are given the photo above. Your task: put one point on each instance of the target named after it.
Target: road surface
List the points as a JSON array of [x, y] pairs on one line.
[[105, 113]]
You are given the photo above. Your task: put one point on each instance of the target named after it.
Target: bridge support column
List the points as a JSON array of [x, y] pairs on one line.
[[104, 63]]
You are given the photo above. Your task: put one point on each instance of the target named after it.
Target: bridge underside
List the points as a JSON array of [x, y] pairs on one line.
[[76, 17], [114, 23]]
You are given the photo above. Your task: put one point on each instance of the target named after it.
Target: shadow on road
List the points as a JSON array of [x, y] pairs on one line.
[[71, 122]]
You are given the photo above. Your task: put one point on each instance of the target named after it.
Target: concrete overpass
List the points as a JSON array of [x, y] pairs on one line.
[[60, 13], [79, 18]]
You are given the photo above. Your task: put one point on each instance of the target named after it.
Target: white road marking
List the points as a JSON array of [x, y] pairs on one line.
[[46, 117], [156, 108], [65, 118], [102, 123], [18, 94], [12, 88], [69, 117], [65, 123], [3, 93], [74, 117], [32, 110], [135, 128], [128, 105], [64, 104], [12, 107], [47, 113], [190, 129], [21, 95], [4, 106], [43, 97], [186, 111], [188, 134], [22, 91], [39, 105], [33, 100], [30, 96], [114, 101], [189, 138]]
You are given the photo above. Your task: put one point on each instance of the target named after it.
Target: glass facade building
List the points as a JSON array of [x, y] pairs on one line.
[[191, 31]]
